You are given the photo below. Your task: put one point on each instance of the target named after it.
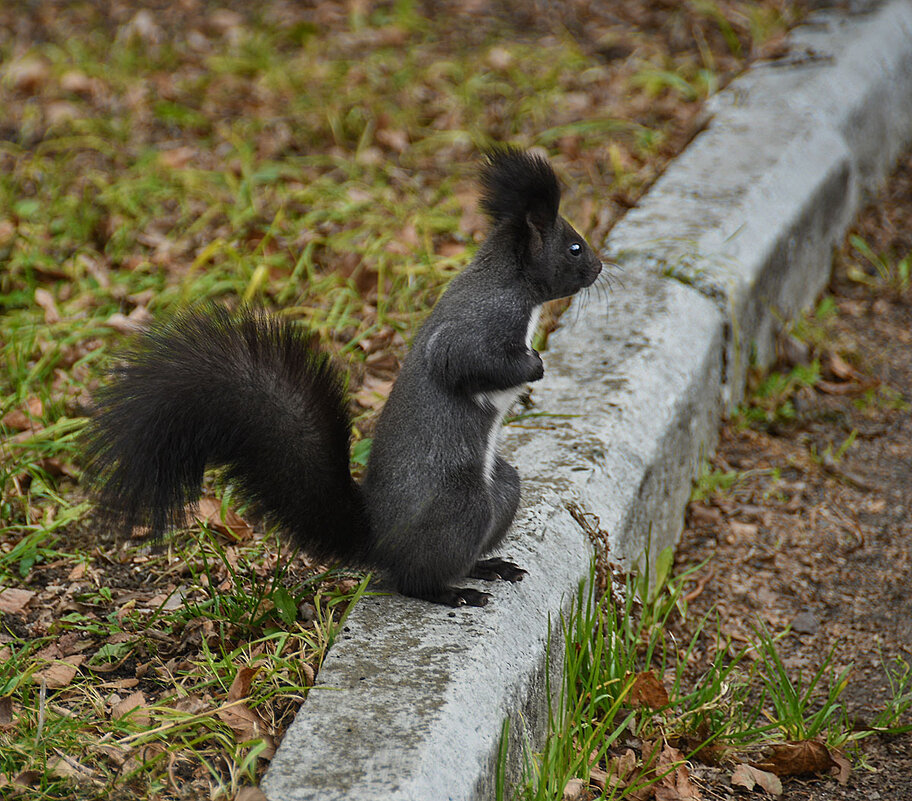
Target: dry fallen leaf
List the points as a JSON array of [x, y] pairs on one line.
[[743, 530], [702, 515], [13, 600], [209, 511], [134, 703], [250, 794], [843, 768], [27, 778], [373, 392], [835, 388], [675, 785], [67, 767], [177, 157], [750, 777], [240, 687], [6, 711], [807, 757], [28, 74], [24, 419], [382, 362], [573, 790], [647, 690], [61, 673], [46, 301], [247, 725], [129, 324]]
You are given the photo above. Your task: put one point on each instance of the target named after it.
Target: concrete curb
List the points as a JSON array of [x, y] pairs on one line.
[[411, 700]]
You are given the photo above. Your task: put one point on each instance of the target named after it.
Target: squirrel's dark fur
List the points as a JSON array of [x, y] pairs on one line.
[[252, 393]]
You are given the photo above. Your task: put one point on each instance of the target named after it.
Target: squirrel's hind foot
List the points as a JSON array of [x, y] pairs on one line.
[[496, 568], [456, 596]]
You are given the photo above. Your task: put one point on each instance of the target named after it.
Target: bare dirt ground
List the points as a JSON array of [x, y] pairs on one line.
[[817, 533]]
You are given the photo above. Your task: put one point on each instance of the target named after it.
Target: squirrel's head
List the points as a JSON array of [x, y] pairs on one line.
[[521, 195]]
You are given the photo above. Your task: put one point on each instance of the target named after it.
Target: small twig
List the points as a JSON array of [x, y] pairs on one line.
[[701, 585], [42, 698]]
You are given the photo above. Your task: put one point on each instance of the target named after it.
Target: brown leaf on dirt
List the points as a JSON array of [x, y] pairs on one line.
[[383, 362], [240, 687], [373, 392], [77, 572], [613, 778], [702, 515], [209, 512], [842, 769], [378, 342], [142, 28], [26, 778], [117, 754], [749, 777], [6, 711], [450, 249], [250, 794], [55, 467], [675, 785], [130, 323], [807, 757], [247, 724], [743, 530], [46, 301], [65, 766], [7, 232], [135, 701], [573, 790], [395, 139], [61, 673], [626, 763], [177, 157], [842, 369], [23, 419], [28, 74], [647, 690], [78, 83], [13, 600], [598, 777]]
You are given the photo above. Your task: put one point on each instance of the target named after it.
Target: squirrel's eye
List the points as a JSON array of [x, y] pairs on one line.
[[575, 249]]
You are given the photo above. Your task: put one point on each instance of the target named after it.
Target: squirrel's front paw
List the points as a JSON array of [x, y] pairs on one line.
[[536, 366]]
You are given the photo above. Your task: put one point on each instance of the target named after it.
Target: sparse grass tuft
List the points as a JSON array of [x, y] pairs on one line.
[[630, 711]]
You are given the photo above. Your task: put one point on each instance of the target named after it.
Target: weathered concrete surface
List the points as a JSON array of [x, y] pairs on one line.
[[750, 212], [640, 387], [737, 234], [412, 700]]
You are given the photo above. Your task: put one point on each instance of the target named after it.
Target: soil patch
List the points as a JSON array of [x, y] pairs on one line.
[[816, 532]]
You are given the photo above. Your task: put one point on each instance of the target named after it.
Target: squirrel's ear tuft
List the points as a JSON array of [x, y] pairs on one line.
[[519, 187]]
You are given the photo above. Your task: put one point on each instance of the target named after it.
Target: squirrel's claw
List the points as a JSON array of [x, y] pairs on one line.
[[496, 568]]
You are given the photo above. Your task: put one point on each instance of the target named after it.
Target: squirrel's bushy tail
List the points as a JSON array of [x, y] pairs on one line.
[[245, 391]]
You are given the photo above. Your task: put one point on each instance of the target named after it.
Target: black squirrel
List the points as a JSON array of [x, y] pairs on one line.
[[252, 393]]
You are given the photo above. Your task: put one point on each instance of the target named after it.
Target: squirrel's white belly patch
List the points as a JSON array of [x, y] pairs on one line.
[[501, 400]]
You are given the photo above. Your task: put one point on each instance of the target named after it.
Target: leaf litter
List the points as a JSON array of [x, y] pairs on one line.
[[316, 157], [813, 540]]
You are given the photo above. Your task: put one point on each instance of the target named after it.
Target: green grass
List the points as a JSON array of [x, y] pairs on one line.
[[879, 269], [743, 700], [320, 162]]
